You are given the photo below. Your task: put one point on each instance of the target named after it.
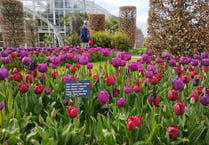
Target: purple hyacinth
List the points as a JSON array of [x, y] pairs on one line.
[[205, 100], [205, 62], [172, 62], [1, 105], [5, 60], [178, 84], [3, 73], [42, 67], [121, 102], [165, 54], [103, 97]]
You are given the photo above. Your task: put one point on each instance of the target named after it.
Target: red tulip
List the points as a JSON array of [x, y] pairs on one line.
[[38, 88], [29, 78], [14, 70], [72, 111], [96, 77], [172, 95], [154, 102], [34, 73], [42, 77], [16, 77], [173, 131], [178, 108], [145, 81], [195, 96], [23, 87], [154, 80], [54, 75], [192, 73], [130, 124], [77, 66], [73, 70], [136, 88], [137, 120], [185, 78], [110, 81]]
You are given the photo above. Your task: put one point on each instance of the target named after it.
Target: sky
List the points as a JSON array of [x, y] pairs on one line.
[[142, 7]]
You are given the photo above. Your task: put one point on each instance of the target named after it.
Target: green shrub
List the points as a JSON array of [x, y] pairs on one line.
[[72, 39], [137, 51], [120, 41], [101, 39]]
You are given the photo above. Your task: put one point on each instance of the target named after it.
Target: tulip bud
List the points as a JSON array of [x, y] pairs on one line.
[[53, 113], [164, 109], [192, 100], [41, 120]]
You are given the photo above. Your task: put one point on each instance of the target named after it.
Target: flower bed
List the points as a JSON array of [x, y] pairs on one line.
[[150, 101]]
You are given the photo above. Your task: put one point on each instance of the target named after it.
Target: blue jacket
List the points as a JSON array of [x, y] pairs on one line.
[[84, 35]]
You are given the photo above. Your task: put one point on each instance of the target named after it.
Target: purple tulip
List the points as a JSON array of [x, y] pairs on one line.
[[172, 62], [123, 63], [67, 65], [84, 59], [48, 58], [1, 105], [27, 60], [204, 55], [121, 102], [42, 67], [116, 61], [47, 91], [205, 62], [196, 56], [5, 60], [105, 51], [69, 55], [55, 60], [127, 89], [127, 57], [66, 101], [158, 60], [145, 58], [3, 73], [195, 62], [195, 81], [152, 97], [121, 55], [184, 60], [205, 100], [152, 68], [165, 54], [53, 66], [89, 66], [149, 52], [103, 97], [133, 66], [178, 84], [76, 58], [115, 92], [149, 74], [63, 57]]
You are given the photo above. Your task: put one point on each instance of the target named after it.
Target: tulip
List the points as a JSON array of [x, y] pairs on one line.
[[5, 60], [110, 81], [178, 84], [173, 131], [149, 74], [54, 75], [172, 62], [133, 66], [89, 66], [14, 70], [158, 60], [121, 102], [130, 124], [185, 78], [3, 73], [103, 97], [1, 106], [42, 67], [165, 54], [153, 99], [149, 52], [127, 89], [72, 111], [136, 88], [172, 95], [38, 88], [115, 92], [27, 60], [205, 62], [66, 101], [47, 91], [205, 100], [195, 81], [178, 108], [23, 87], [154, 80]]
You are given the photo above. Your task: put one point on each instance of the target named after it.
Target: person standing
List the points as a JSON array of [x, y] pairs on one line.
[[84, 35]]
